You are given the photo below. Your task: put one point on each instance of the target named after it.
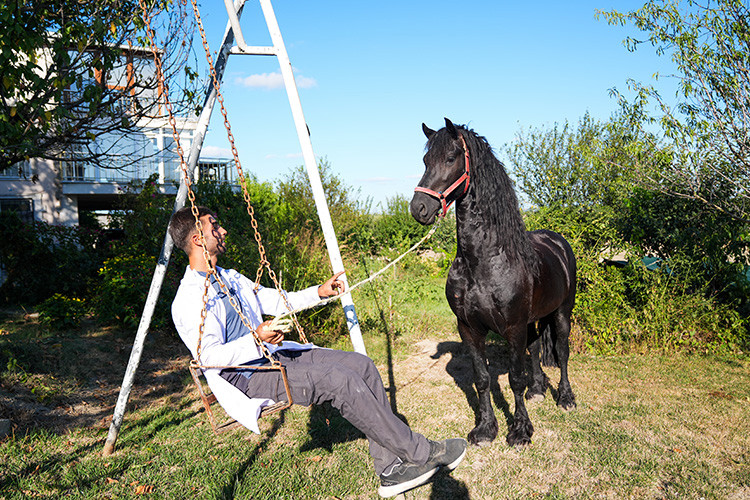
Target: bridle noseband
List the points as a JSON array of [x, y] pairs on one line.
[[443, 195]]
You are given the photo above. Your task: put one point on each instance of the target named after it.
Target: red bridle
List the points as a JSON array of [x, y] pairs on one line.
[[443, 195]]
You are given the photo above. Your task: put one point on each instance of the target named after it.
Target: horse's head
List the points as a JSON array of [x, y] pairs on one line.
[[446, 175]]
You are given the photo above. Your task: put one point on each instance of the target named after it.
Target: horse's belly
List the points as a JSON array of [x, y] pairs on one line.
[[490, 295]]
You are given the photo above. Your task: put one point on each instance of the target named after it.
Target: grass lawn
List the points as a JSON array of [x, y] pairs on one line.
[[646, 426]]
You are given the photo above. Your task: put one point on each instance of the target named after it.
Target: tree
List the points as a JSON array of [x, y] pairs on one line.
[[72, 72], [579, 167], [709, 128]]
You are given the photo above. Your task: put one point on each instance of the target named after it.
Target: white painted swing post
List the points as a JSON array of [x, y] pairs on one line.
[[166, 251], [313, 173]]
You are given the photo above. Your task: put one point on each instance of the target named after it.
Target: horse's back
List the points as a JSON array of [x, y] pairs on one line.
[[556, 279]]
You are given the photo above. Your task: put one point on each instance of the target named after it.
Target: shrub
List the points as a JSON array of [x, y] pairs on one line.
[[122, 290], [621, 309], [40, 260], [60, 311]]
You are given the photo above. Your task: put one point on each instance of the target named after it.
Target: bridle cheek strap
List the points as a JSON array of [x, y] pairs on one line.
[[442, 196]]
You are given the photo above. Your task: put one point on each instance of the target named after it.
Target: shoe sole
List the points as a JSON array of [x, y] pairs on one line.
[[457, 461], [390, 491]]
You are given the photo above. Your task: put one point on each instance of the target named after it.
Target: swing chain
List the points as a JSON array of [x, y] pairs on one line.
[[263, 260], [194, 209]]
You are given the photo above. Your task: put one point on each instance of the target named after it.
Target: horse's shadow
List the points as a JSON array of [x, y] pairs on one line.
[[460, 368]]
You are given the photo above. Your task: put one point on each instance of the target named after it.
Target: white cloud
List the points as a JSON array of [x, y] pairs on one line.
[[215, 152], [271, 81], [305, 82]]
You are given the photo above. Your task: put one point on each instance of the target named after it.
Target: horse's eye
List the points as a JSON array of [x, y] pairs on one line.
[[451, 159]]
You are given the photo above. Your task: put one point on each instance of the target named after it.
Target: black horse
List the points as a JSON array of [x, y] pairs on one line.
[[504, 278]]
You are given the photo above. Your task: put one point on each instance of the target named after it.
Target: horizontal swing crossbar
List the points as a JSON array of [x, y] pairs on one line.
[[254, 51]]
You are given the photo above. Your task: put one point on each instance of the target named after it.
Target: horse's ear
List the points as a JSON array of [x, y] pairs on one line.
[[451, 128], [427, 131]]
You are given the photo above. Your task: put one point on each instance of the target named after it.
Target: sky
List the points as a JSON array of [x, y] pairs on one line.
[[370, 73]]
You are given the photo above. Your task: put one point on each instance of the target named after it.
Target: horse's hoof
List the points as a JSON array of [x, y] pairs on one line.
[[568, 406], [520, 434], [567, 402], [534, 398], [480, 438], [518, 441]]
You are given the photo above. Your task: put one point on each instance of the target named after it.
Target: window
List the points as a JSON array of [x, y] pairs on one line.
[[22, 207]]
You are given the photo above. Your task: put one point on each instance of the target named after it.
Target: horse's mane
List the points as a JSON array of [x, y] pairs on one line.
[[495, 196]]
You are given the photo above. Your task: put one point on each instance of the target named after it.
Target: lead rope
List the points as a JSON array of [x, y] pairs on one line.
[[369, 278]]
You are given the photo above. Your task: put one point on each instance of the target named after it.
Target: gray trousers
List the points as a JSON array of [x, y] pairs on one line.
[[352, 384]]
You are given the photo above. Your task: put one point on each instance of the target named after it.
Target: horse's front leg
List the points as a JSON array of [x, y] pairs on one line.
[[486, 428], [521, 430]]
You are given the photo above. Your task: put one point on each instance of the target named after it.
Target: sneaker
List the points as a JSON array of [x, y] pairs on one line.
[[402, 476], [448, 452]]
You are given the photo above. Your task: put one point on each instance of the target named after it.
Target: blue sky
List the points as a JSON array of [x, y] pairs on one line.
[[369, 74]]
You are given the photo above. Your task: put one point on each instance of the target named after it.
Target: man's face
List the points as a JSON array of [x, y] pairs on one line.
[[214, 234]]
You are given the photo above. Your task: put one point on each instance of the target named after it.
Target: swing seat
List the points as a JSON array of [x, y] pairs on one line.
[[208, 398]]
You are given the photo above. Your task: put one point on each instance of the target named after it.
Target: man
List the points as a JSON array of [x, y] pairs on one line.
[[403, 459]]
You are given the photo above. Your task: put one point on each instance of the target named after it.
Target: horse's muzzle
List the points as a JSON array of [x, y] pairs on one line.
[[424, 208]]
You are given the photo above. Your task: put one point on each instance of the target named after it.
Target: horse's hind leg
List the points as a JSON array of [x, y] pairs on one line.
[[486, 429], [566, 399], [539, 381]]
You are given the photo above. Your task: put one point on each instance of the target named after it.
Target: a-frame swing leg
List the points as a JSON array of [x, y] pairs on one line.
[[303, 133], [166, 250], [279, 50]]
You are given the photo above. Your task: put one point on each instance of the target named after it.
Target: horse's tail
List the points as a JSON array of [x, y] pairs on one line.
[[549, 337]]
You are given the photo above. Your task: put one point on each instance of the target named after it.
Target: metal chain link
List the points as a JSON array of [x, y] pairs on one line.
[[264, 263], [194, 209]]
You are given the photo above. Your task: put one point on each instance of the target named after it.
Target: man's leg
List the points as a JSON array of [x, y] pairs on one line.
[[382, 454], [352, 384]]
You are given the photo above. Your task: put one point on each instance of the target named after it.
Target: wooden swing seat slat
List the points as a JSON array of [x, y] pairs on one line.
[[208, 399]]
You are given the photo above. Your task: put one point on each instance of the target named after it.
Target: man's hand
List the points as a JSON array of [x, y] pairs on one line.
[[331, 287], [266, 334]]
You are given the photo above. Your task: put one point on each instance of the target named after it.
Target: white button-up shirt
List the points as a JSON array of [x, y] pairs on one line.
[[215, 350]]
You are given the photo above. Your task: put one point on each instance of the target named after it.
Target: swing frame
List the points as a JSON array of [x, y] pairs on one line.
[[196, 367]]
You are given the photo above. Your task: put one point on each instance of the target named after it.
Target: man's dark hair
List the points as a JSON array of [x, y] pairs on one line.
[[182, 225]]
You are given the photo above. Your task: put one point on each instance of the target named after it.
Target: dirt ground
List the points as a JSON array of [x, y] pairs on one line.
[[76, 384]]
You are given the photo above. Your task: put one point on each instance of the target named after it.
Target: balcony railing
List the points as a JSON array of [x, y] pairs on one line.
[[20, 170], [124, 171]]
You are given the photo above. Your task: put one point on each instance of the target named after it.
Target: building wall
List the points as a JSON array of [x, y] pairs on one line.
[[41, 185]]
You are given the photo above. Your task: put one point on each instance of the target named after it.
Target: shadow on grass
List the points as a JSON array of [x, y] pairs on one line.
[[229, 491], [446, 487], [147, 426], [327, 427]]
